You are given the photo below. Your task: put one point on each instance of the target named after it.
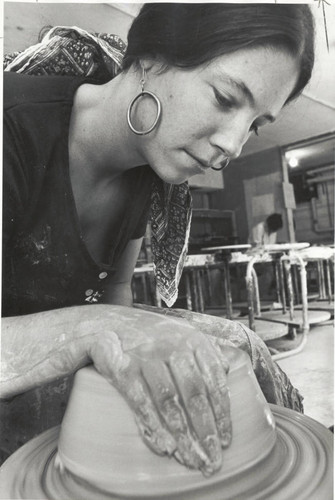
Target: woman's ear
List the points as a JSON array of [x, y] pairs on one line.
[[147, 64], [153, 65]]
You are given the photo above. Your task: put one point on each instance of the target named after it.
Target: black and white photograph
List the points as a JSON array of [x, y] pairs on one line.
[[167, 285]]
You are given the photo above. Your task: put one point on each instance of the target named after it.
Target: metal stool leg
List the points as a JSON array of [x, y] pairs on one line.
[[282, 286], [189, 303], [250, 293], [229, 302], [288, 276]]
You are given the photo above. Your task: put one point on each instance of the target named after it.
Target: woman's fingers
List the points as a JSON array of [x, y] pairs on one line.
[[123, 371], [173, 413], [183, 407], [214, 367], [192, 389], [177, 389], [155, 435]]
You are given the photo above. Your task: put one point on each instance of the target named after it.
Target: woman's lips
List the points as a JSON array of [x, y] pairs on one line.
[[202, 165]]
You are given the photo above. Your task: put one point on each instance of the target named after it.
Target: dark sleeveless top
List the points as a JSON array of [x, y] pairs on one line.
[[46, 264]]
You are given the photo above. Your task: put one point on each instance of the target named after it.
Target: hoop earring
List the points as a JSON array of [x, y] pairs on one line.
[[131, 105], [224, 164]]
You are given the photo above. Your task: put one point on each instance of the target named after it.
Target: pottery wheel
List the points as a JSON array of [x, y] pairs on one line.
[[299, 467]]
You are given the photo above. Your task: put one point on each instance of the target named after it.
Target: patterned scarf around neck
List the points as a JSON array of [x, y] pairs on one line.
[[71, 51]]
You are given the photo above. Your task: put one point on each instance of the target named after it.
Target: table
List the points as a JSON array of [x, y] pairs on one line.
[[145, 274], [284, 247], [228, 248], [193, 269], [323, 256], [225, 253], [283, 254]]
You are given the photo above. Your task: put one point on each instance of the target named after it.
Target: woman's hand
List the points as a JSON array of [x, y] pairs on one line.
[[171, 375], [174, 379]]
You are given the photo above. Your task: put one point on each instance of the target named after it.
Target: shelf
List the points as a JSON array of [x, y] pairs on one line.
[[211, 213]]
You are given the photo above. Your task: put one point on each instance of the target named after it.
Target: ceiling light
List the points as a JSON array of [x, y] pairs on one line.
[[293, 162]]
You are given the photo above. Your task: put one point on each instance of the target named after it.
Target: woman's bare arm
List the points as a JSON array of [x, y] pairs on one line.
[[39, 348], [118, 289]]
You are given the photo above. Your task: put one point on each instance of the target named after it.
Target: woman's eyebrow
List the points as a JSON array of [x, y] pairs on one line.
[[239, 85], [244, 89]]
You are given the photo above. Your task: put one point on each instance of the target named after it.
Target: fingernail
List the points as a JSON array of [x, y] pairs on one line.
[[170, 444], [207, 471], [226, 439], [212, 446], [178, 457], [193, 455]]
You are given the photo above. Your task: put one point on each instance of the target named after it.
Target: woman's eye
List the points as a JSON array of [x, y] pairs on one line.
[[223, 101]]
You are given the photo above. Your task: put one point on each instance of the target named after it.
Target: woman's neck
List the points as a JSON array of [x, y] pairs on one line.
[[100, 142]]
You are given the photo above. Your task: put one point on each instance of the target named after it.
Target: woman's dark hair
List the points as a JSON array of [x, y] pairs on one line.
[[274, 222], [188, 35]]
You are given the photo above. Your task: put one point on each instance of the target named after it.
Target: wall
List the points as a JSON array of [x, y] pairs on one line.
[[314, 219], [265, 165], [23, 21]]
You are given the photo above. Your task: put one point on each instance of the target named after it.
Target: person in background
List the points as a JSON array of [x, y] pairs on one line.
[[265, 233], [86, 158]]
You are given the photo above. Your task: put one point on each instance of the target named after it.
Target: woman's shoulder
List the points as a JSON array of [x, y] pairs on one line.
[[22, 88]]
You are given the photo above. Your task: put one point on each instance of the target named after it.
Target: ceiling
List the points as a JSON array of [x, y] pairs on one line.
[[311, 115]]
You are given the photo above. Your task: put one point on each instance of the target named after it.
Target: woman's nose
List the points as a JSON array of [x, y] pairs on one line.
[[230, 139]]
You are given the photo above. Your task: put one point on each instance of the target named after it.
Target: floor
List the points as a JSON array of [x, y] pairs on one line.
[[312, 372]]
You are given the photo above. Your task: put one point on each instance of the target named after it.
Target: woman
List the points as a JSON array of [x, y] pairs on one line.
[[81, 158]]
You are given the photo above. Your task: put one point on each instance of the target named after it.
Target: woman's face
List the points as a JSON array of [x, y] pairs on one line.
[[208, 113]]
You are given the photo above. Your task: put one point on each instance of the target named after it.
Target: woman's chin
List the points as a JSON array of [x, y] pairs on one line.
[[172, 177]]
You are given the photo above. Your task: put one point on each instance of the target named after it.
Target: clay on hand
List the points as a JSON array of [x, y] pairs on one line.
[[173, 376], [175, 381]]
